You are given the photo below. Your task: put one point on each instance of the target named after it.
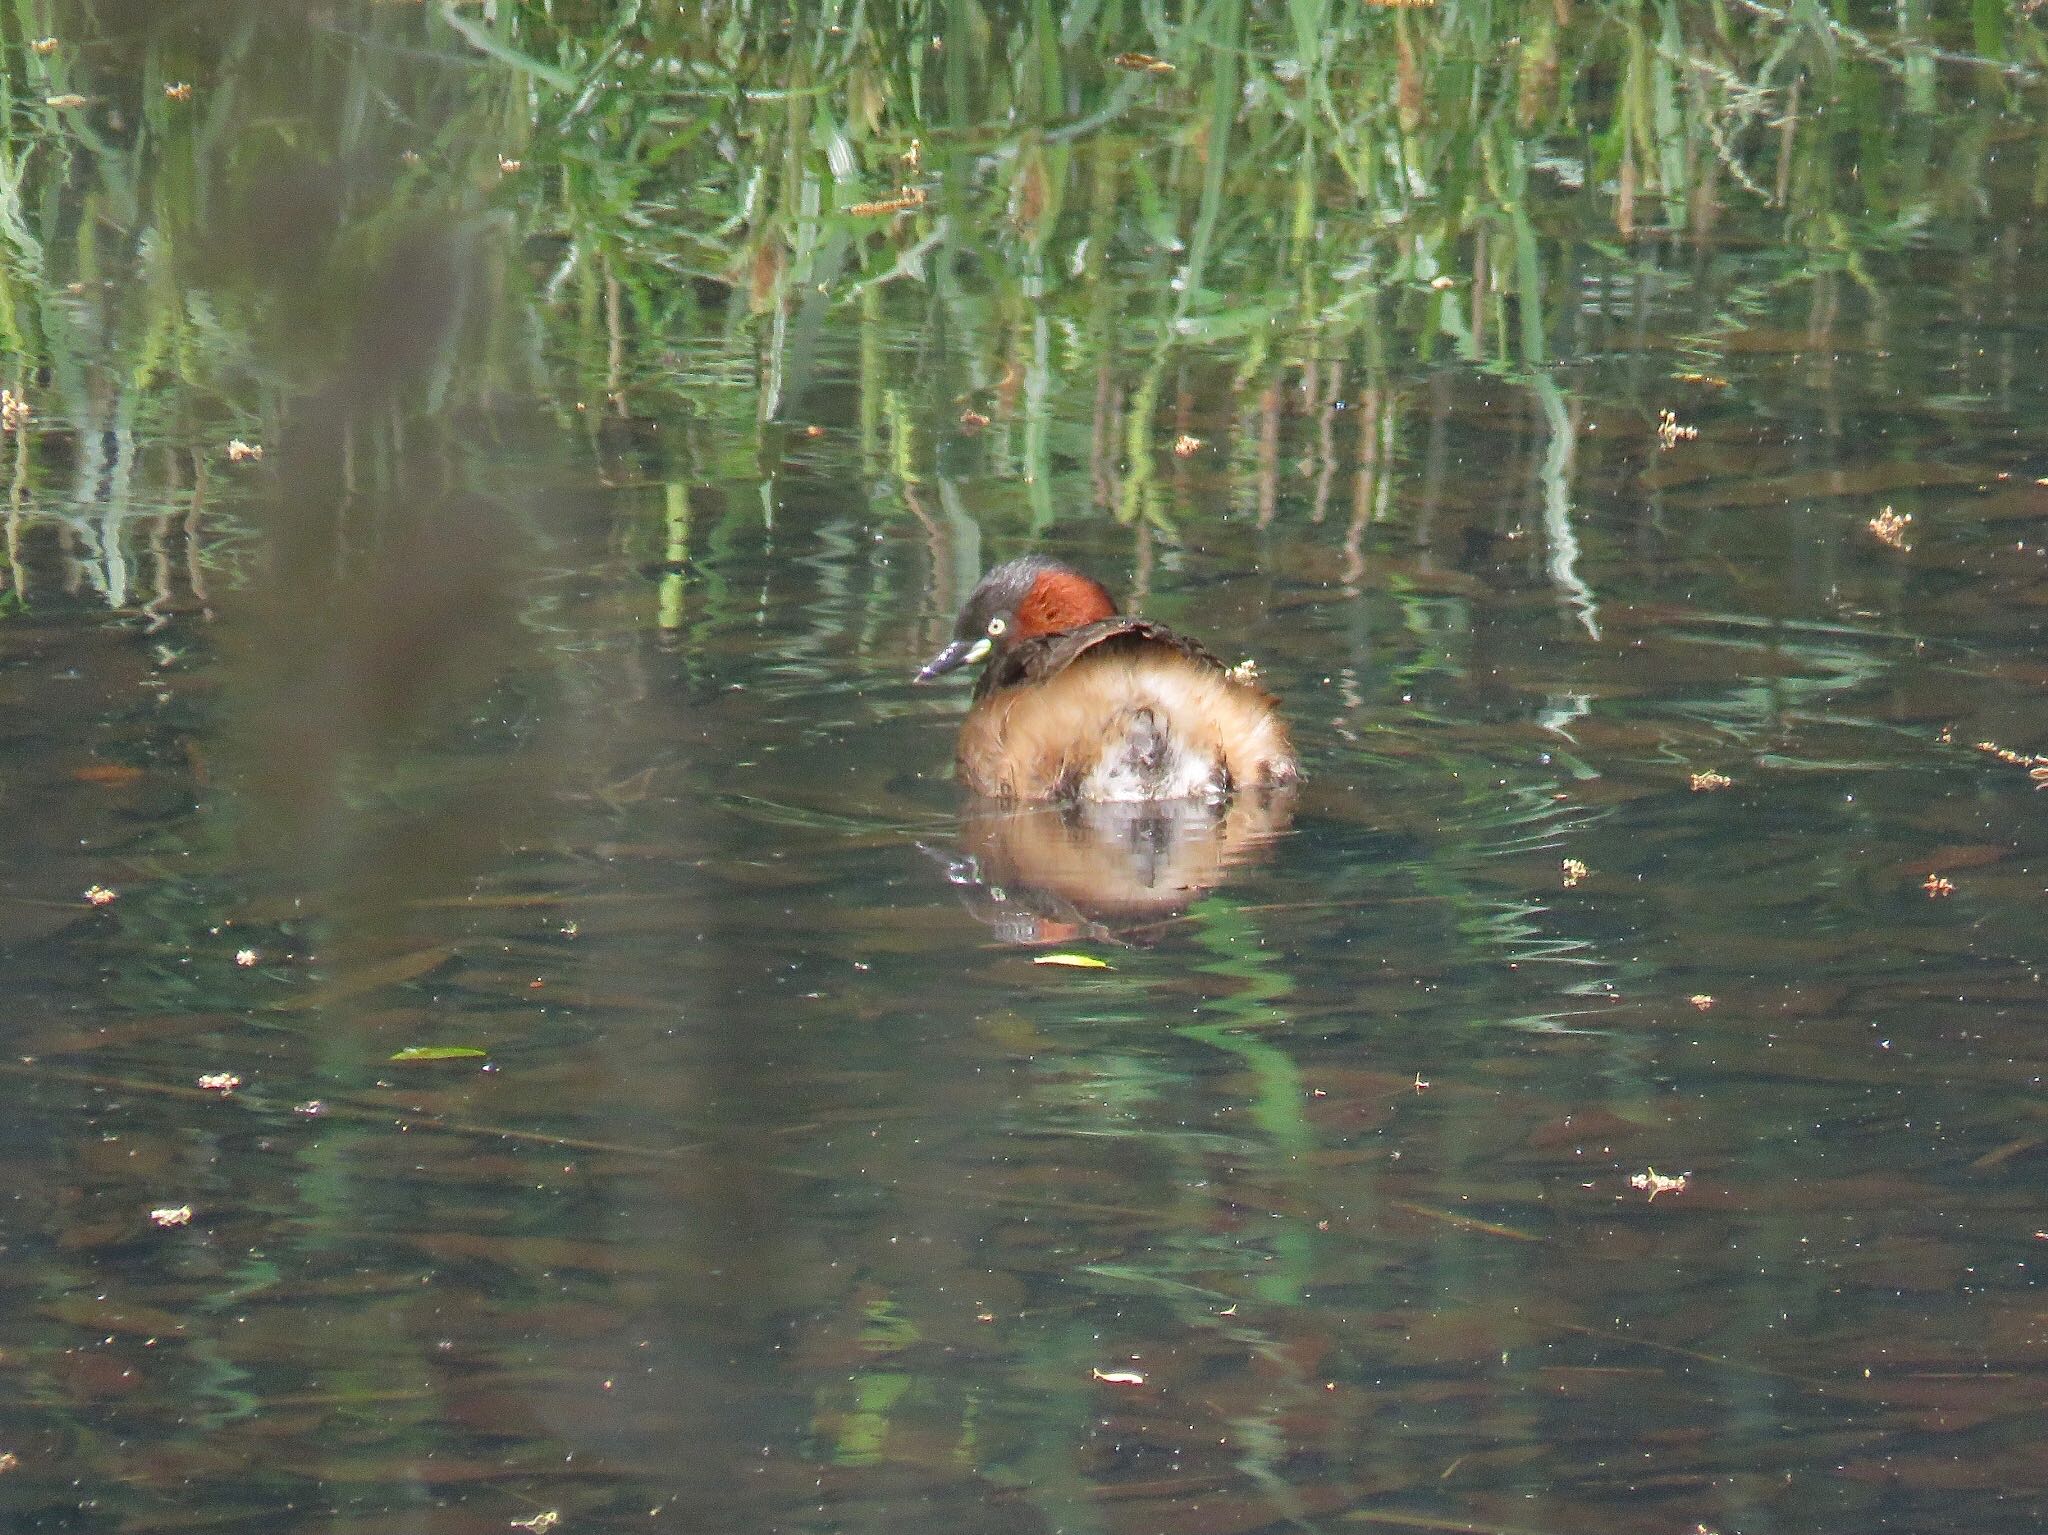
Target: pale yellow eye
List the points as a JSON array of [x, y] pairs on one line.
[[996, 628]]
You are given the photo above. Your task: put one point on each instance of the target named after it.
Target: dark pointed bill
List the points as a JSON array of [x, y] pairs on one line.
[[956, 655]]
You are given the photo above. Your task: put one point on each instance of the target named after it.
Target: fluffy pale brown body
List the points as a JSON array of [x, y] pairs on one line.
[[1119, 709]]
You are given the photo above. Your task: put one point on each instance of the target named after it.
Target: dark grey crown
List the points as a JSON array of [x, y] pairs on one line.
[[999, 592]]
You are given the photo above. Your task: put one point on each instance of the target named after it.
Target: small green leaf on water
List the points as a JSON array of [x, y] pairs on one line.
[[1072, 961], [439, 1053]]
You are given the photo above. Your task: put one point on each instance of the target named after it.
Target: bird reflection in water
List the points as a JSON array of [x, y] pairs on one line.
[[1116, 871]]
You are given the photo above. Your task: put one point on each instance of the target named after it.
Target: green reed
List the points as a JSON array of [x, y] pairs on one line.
[[685, 208]]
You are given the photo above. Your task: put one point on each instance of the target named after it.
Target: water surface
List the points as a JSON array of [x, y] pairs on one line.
[[1607, 1099]]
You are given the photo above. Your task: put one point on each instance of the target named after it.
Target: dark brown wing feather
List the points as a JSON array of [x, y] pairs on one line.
[[1039, 660]]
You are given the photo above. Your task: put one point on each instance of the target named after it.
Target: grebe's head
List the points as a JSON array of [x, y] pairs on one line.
[[1019, 600]]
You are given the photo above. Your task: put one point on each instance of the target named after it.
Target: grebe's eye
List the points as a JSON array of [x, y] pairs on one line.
[[997, 627]]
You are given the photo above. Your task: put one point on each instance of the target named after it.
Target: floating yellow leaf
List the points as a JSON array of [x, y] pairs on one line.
[[1072, 961]]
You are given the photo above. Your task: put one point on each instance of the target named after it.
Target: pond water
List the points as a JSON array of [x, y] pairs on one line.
[[1607, 1098]]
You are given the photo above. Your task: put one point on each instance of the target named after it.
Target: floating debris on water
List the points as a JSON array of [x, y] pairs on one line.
[[1656, 1183], [1671, 432], [1889, 528], [902, 202]]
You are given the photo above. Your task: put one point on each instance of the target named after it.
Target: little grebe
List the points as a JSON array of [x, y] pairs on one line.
[[1080, 702]]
